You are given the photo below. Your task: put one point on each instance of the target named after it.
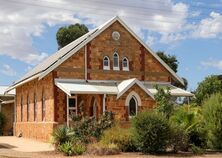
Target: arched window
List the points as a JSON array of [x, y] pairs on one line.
[[115, 61], [132, 107], [125, 64], [106, 63]]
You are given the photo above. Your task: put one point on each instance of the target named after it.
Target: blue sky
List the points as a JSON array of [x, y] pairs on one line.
[[191, 30]]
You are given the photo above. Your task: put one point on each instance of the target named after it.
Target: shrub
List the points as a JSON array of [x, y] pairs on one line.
[[190, 119], [69, 149], [66, 148], [61, 135], [152, 132], [2, 122], [123, 138], [197, 150], [212, 111], [103, 149], [178, 138]]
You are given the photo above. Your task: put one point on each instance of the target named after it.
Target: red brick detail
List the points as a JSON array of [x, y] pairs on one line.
[[88, 47], [142, 62], [120, 65], [54, 74], [111, 65], [131, 65], [101, 64], [88, 76]]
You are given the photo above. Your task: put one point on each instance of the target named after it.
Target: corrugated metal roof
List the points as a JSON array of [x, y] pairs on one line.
[[3, 89]]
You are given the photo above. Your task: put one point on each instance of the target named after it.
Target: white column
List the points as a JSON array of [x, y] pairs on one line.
[[67, 110]]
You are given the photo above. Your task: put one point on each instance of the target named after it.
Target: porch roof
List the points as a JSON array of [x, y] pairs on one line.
[[86, 88], [174, 91]]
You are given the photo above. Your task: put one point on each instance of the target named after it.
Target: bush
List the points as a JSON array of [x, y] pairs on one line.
[[178, 138], [2, 122], [103, 149], [69, 149], [123, 138], [212, 111], [190, 119], [66, 148], [152, 132], [197, 150], [61, 135]]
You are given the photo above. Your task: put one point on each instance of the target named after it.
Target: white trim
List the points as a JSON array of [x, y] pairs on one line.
[[72, 108], [127, 61], [8, 101], [104, 103], [130, 84], [106, 67], [62, 88], [116, 67], [130, 95]]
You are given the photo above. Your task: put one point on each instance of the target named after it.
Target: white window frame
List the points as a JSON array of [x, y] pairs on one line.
[[133, 97], [115, 67], [127, 61], [71, 108], [104, 66]]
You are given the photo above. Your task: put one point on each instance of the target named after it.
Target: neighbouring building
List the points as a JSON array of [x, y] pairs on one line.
[[7, 108], [109, 68]]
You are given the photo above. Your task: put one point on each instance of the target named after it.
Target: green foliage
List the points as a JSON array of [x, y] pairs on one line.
[[178, 138], [66, 148], [170, 60], [69, 149], [197, 150], [2, 122], [212, 111], [122, 137], [151, 131], [164, 104], [210, 85], [103, 149], [87, 127], [67, 34], [61, 135], [190, 119]]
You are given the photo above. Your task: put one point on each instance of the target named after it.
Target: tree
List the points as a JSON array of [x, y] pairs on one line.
[[67, 34], [210, 85], [170, 60]]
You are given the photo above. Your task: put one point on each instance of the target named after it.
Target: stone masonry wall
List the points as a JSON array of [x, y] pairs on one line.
[[25, 124]]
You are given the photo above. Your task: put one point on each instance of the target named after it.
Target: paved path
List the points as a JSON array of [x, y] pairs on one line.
[[24, 145]]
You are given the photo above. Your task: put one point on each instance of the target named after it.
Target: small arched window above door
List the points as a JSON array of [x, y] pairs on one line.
[[115, 61], [125, 64], [106, 63]]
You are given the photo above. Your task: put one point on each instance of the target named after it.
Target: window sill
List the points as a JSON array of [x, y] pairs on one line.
[[116, 68]]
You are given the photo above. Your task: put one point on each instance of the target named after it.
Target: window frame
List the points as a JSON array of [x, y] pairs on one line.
[[127, 62], [71, 108], [104, 66], [116, 67], [136, 102]]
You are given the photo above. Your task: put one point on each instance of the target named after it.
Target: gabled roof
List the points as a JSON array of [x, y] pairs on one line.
[[127, 84], [48, 65]]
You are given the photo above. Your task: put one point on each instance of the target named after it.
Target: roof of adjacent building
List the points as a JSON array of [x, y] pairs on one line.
[[3, 89], [48, 65]]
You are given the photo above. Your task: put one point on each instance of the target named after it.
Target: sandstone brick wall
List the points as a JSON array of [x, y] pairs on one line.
[[26, 92], [119, 108]]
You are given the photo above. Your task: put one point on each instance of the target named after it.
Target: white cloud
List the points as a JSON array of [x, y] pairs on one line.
[[212, 63], [8, 70], [151, 40], [210, 27]]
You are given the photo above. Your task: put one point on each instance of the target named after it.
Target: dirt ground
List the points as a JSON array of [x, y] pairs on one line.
[[8, 153]]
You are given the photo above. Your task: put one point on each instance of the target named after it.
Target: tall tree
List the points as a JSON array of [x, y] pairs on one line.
[[173, 63], [170, 60], [67, 34], [210, 85]]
